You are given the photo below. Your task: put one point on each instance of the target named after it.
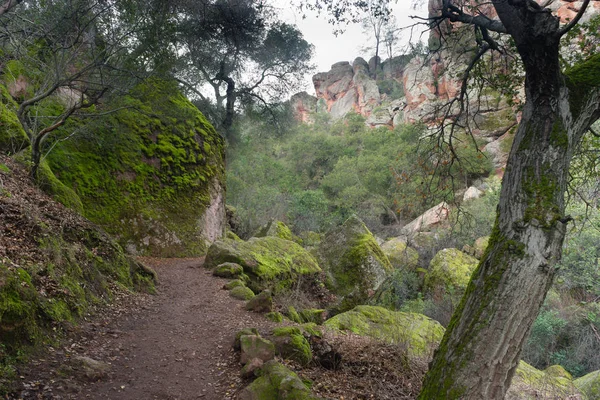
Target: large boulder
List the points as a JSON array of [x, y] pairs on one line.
[[420, 334], [354, 263], [589, 385], [401, 256], [554, 383], [449, 272], [276, 381], [431, 218], [269, 262]]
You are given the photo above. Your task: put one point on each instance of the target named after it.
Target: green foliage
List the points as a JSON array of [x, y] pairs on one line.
[[12, 136], [316, 176]]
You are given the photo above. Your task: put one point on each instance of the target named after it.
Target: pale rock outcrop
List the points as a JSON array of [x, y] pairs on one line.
[[429, 219]]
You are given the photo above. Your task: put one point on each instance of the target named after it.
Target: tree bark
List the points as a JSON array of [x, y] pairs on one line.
[[481, 349]]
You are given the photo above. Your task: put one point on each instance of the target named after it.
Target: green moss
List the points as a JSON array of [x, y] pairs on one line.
[[581, 79], [269, 262], [589, 384], [58, 190], [417, 332], [4, 169], [449, 271], [150, 174], [274, 316], [234, 283], [12, 136], [277, 380], [531, 383], [228, 270], [293, 315], [292, 345], [400, 255], [354, 263], [313, 315], [241, 293]]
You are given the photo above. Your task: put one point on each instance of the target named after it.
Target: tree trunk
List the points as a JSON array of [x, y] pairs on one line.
[[482, 346]]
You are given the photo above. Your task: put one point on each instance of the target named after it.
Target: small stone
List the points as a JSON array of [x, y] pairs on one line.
[[228, 270], [249, 370], [255, 347], [241, 293], [261, 303]]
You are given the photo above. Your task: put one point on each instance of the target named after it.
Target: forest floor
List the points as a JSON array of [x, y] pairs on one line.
[[173, 345]]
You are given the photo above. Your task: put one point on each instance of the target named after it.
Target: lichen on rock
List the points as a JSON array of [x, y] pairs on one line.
[[401, 256], [449, 272], [276, 381], [269, 262], [530, 383], [420, 334], [354, 263], [589, 385]]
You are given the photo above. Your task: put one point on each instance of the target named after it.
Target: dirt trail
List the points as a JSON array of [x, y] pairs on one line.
[[177, 346]]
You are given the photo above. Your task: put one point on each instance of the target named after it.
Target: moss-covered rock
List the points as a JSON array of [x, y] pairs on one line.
[[354, 263], [401, 256], [234, 283], [293, 315], [291, 344], [276, 382], [241, 293], [420, 334], [252, 346], [228, 270], [243, 332], [530, 383], [277, 229], [149, 173], [274, 316], [261, 303], [589, 385], [314, 315], [270, 262], [449, 272], [12, 136]]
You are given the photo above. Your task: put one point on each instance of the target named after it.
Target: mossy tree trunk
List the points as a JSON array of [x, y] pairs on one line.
[[482, 346]]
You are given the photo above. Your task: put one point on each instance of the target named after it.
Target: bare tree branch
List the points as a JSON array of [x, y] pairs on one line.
[[575, 20]]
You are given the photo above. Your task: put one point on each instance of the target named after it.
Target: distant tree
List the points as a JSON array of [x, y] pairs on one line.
[[374, 23], [479, 354], [240, 50]]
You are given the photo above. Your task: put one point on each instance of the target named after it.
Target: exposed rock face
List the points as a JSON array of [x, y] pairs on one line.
[[347, 88], [304, 106]]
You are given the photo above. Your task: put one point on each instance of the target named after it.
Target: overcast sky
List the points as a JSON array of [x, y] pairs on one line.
[[330, 49]]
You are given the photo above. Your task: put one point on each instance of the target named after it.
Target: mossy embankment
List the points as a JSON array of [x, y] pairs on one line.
[[148, 171], [55, 267]]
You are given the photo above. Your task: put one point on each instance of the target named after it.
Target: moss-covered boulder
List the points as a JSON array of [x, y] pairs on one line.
[[150, 173], [449, 272], [234, 283], [241, 293], [401, 256], [228, 270], [589, 385], [274, 316], [269, 262], [530, 383], [354, 263], [277, 229], [276, 382], [12, 136], [291, 344], [420, 334]]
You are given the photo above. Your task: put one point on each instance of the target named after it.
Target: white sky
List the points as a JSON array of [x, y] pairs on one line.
[[330, 49]]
